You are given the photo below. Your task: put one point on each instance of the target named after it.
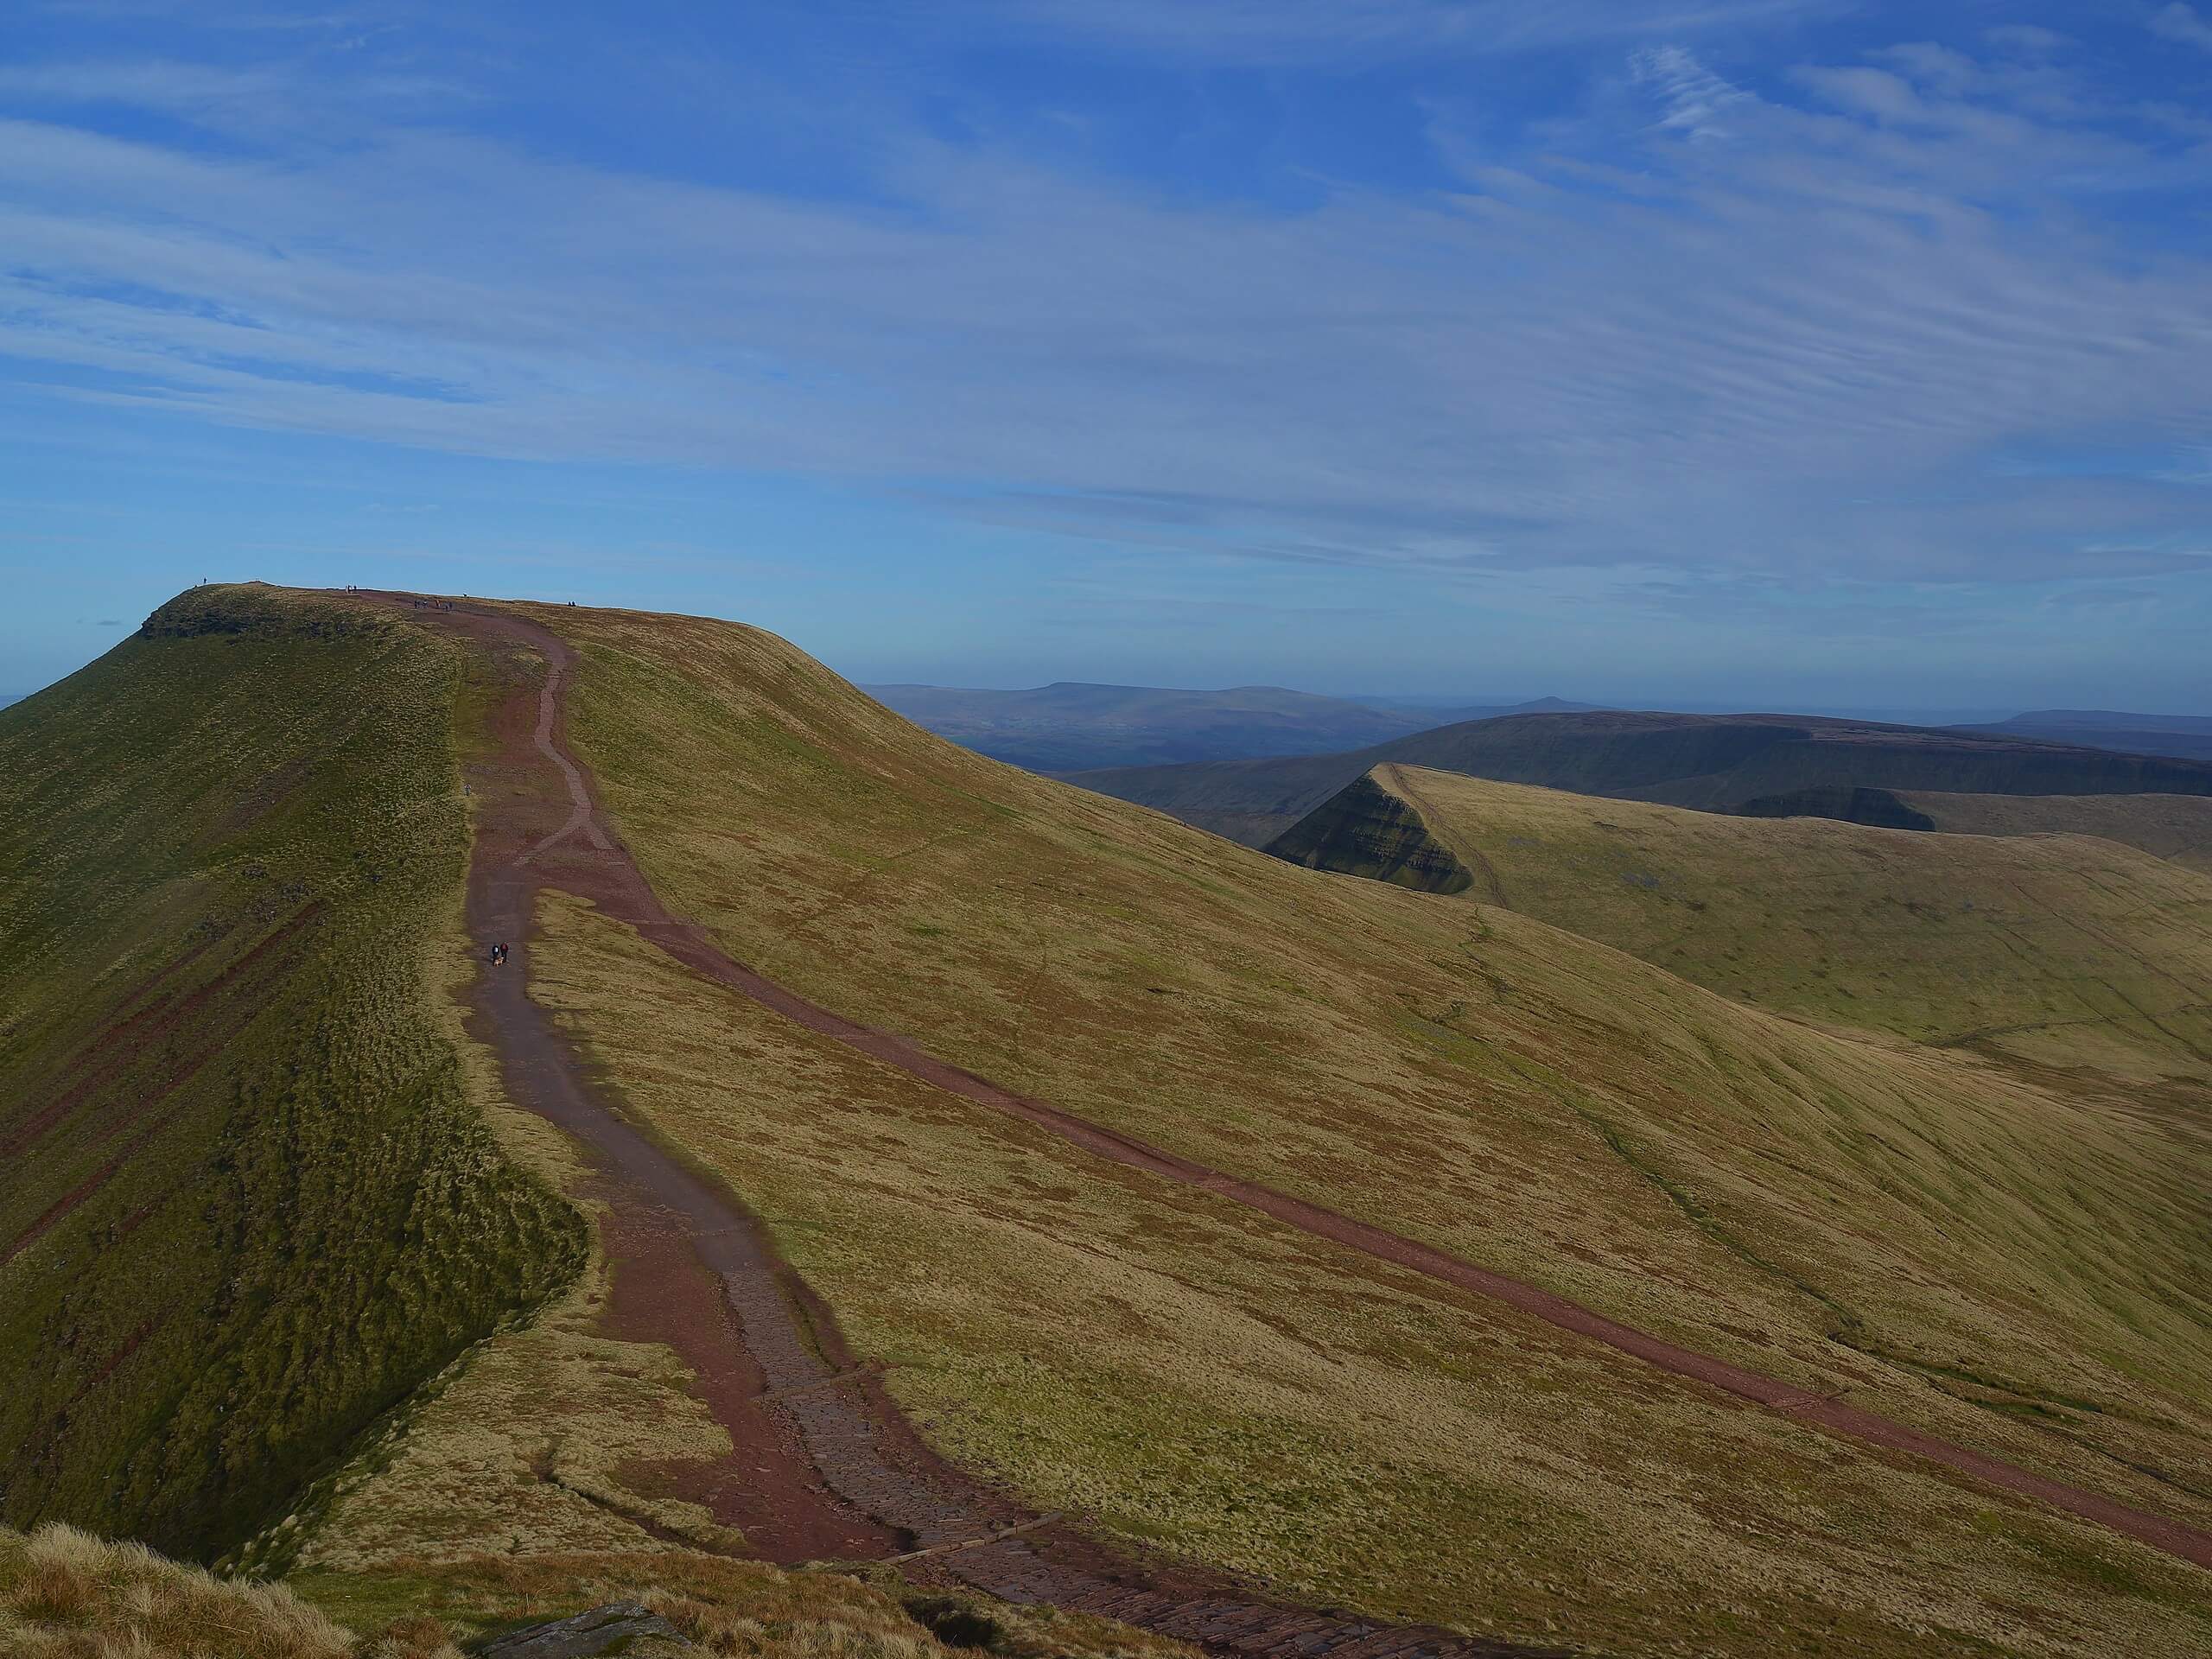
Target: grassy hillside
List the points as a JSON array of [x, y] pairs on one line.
[[1718, 763], [2004, 1264], [2173, 827], [245, 1204], [2061, 949]]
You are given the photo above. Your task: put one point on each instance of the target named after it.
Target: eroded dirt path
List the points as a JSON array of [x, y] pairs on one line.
[[837, 1470], [824, 1466]]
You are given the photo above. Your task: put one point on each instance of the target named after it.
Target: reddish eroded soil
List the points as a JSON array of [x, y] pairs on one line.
[[115, 1050], [665, 1290], [539, 827]]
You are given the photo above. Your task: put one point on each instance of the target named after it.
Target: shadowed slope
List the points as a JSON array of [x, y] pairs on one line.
[[245, 1204], [1366, 829], [1856, 1215]]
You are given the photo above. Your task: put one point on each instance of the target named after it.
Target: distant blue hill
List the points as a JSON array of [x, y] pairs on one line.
[[1072, 726], [2187, 736]]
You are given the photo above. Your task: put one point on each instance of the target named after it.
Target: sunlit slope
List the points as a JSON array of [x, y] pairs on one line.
[[2062, 949], [244, 1204], [2015, 1268]]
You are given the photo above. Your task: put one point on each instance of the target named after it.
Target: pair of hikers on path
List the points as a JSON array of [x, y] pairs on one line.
[[499, 955]]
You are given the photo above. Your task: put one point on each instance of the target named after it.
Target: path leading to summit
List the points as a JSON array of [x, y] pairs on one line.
[[823, 1466], [544, 830]]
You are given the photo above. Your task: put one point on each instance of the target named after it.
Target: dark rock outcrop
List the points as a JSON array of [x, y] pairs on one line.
[[619, 1627]]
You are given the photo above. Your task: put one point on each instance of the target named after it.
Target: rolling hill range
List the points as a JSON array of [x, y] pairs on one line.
[[1782, 763], [2189, 736], [1300, 1243], [2058, 949], [1068, 727]]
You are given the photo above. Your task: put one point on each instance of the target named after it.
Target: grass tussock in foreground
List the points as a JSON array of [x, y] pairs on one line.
[[64, 1594], [67, 1595]]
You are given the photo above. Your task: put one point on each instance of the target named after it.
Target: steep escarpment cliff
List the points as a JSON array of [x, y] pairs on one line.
[[1365, 829]]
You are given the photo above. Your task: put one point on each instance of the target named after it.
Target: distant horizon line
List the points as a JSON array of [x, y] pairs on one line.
[[1968, 713]]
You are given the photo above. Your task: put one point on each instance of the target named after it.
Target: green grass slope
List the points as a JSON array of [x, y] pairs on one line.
[[2010, 1265], [2065, 951], [246, 1204]]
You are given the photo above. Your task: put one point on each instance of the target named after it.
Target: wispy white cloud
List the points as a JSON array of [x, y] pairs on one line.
[[144, 83], [1696, 99], [2030, 38], [2183, 24], [1798, 357], [1268, 30]]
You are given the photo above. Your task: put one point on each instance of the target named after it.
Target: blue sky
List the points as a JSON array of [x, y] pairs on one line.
[[1765, 351]]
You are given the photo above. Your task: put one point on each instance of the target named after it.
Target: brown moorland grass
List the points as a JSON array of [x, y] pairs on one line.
[[2062, 949], [64, 1594], [1995, 1262], [1192, 1378]]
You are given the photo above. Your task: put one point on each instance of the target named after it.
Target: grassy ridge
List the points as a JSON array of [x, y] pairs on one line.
[[1853, 1213], [247, 1204], [2062, 949], [2173, 827]]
